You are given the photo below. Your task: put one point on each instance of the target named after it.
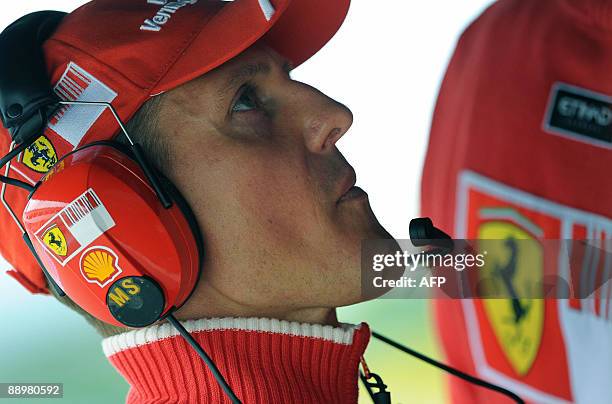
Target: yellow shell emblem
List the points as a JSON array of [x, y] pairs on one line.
[[99, 265], [40, 156], [517, 322], [56, 241]]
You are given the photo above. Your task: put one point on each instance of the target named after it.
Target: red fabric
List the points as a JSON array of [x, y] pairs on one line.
[[489, 122], [261, 367], [105, 39]]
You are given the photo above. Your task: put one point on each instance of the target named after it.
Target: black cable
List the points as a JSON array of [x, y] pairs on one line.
[[11, 155], [16, 183], [200, 351], [451, 370], [12, 181]]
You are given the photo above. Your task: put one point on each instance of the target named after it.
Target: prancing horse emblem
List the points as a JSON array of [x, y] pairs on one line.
[[56, 241], [40, 156]]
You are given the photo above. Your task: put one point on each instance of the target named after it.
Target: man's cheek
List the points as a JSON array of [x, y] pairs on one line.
[[277, 203]]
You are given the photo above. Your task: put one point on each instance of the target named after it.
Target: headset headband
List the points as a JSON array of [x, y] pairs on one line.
[[26, 98]]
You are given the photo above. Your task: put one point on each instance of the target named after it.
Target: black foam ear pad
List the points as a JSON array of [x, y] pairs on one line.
[[181, 202], [183, 205]]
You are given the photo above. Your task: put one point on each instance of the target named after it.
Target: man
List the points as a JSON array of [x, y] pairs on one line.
[[520, 147], [254, 154]]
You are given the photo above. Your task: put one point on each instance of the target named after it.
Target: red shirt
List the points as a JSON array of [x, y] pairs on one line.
[[263, 361], [521, 141]]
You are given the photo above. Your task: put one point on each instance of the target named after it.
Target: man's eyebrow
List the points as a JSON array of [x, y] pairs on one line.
[[241, 74], [246, 72]]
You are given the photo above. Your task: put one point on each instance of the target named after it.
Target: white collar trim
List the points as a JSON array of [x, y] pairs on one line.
[[340, 335]]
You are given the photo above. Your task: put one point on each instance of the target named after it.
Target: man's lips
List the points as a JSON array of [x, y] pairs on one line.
[[348, 189], [353, 193], [348, 181]]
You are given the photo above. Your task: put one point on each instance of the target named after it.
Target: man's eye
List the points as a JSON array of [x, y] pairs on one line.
[[247, 101]]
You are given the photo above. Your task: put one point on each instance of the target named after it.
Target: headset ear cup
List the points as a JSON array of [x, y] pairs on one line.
[[176, 196]]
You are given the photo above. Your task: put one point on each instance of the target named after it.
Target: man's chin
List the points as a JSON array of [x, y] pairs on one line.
[[375, 230], [380, 242], [361, 220]]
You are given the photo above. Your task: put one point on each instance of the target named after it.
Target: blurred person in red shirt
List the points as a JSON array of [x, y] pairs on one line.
[[521, 146]]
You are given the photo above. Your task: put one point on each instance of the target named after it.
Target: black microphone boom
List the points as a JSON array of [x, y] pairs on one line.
[[423, 232]]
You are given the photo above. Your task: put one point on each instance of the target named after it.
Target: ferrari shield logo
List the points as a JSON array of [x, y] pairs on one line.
[[56, 241], [40, 156], [514, 269], [516, 337]]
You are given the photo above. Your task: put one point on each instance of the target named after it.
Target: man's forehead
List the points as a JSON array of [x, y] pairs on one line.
[[258, 59], [221, 84], [258, 53]]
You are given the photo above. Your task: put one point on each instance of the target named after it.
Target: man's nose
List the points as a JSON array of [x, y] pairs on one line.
[[325, 121]]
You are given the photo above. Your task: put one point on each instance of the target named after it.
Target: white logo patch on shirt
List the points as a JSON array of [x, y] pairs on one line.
[[72, 122]]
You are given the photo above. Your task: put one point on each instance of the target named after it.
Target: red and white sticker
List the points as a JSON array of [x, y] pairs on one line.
[[75, 227], [72, 122]]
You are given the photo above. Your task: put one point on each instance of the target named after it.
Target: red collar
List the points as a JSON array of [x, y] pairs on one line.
[[263, 360]]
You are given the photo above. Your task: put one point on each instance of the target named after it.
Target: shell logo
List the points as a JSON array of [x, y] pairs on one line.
[[99, 265]]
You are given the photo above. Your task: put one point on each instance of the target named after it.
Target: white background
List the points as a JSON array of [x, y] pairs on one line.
[[386, 65]]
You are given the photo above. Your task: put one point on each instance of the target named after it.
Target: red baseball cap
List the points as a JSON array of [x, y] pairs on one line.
[[126, 51]]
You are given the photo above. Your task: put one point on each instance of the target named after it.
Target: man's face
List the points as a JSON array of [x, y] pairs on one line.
[[254, 154]]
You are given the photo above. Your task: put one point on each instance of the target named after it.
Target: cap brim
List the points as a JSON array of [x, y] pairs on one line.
[[297, 30]]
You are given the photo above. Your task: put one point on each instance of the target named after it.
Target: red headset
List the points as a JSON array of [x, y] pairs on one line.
[[103, 234], [108, 230], [106, 227]]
